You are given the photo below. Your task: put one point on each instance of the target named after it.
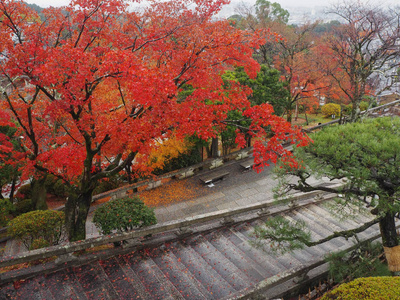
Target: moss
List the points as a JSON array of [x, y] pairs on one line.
[[367, 288]]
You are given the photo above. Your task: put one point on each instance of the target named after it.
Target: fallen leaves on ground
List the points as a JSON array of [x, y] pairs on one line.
[[176, 191]]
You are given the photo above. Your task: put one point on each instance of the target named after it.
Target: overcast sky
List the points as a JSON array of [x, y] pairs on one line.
[[283, 3]]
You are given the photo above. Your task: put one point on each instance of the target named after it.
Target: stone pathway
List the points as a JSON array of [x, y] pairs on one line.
[[238, 189]]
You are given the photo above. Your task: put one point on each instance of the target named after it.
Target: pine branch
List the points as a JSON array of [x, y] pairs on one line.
[[345, 233]]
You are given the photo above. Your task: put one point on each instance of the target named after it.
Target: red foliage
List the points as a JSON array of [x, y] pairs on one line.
[[102, 84]]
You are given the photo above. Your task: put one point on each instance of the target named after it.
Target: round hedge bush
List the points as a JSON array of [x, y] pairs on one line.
[[123, 215], [367, 288], [47, 225], [330, 109]]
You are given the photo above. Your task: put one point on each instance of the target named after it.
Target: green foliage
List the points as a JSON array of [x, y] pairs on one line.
[[39, 243], [55, 186], [228, 135], [330, 109], [366, 154], [35, 225], [267, 87], [108, 184], [368, 288], [23, 206], [123, 215], [363, 261], [364, 105], [347, 109], [184, 160], [185, 91], [10, 172], [323, 28], [271, 11], [24, 192], [281, 235], [6, 208]]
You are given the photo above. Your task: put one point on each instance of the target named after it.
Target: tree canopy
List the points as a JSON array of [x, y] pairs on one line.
[[93, 87], [361, 52], [365, 156]]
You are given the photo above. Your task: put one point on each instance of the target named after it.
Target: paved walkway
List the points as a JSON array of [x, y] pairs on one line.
[[239, 188]]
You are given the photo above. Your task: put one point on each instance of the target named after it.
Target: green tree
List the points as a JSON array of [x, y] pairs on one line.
[[267, 18], [266, 87], [271, 11], [366, 157]]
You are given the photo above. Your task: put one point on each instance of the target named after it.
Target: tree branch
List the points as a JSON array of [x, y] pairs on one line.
[[345, 233]]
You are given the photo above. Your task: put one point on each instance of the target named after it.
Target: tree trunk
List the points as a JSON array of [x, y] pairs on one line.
[[39, 193], [13, 185], [214, 147], [305, 115], [128, 172], [76, 212], [387, 226], [390, 242], [355, 112], [289, 116], [248, 140]]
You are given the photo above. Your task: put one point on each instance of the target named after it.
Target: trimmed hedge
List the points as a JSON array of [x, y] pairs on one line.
[[330, 109], [123, 215], [37, 226], [367, 288]]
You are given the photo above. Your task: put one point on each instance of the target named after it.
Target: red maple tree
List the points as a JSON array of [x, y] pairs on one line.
[[101, 86]]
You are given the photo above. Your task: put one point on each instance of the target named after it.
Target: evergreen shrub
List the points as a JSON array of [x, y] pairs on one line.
[[364, 105], [6, 208], [360, 262], [47, 225], [108, 184], [184, 160], [55, 186], [330, 109], [39, 243], [367, 288], [123, 215], [22, 206]]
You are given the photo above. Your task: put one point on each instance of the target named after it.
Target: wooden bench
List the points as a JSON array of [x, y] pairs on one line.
[[213, 176], [247, 164]]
